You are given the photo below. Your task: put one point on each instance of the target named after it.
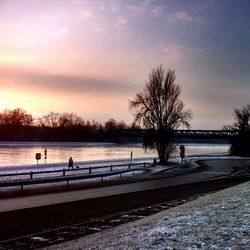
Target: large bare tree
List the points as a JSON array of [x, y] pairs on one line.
[[241, 143], [242, 120], [160, 110]]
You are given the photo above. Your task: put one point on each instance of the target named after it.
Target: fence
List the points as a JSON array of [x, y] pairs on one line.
[[34, 177]]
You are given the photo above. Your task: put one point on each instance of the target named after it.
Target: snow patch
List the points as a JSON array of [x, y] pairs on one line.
[[217, 221]]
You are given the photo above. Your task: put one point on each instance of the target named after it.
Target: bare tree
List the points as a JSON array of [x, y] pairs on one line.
[[112, 124], [50, 120], [16, 118], [241, 143], [160, 110], [242, 119], [70, 120]]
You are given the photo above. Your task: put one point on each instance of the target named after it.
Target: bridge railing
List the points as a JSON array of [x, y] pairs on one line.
[[223, 134], [183, 133]]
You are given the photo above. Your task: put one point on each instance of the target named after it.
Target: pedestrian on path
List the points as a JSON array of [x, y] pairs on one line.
[[182, 152], [71, 162]]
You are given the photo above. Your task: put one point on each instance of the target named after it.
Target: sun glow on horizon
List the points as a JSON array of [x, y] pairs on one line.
[[91, 57], [29, 102], [11, 59]]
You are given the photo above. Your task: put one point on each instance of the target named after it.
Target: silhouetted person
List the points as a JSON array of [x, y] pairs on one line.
[[182, 152], [71, 162]]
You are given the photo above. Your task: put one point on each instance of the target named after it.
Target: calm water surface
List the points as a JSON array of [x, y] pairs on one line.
[[23, 153]]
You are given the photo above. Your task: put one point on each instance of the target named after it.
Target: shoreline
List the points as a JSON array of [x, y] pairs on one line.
[[19, 155]]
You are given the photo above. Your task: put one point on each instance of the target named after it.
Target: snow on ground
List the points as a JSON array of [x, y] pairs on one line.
[[216, 221], [60, 166]]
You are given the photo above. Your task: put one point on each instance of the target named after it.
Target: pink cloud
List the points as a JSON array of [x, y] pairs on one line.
[[146, 7], [157, 11], [121, 23], [174, 53], [182, 16], [86, 15]]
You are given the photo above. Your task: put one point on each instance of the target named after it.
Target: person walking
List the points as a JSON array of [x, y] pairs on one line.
[[71, 162], [182, 153]]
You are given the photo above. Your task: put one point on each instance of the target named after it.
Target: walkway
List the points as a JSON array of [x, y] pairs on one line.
[[64, 207], [215, 169]]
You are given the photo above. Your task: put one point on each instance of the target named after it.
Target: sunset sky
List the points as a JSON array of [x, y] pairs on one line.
[[91, 57]]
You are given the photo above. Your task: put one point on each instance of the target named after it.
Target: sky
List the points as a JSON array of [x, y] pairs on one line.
[[92, 57]]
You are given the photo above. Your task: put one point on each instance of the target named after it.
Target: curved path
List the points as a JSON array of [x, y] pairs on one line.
[[214, 169], [72, 205]]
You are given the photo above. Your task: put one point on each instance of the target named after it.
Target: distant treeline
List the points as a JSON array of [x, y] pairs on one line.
[[18, 125]]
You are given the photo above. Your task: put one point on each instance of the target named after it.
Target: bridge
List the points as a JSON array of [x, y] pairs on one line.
[[133, 134], [206, 134]]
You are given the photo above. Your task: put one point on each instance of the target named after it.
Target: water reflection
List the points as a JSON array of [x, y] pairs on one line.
[[21, 153]]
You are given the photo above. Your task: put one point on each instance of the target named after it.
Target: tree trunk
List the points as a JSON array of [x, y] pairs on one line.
[[162, 140], [162, 153]]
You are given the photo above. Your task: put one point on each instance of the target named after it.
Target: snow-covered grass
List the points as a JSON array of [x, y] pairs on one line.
[[215, 221], [60, 166]]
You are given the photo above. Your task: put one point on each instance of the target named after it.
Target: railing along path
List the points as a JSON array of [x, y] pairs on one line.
[[34, 177]]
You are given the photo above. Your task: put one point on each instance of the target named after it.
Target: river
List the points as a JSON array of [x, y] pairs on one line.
[[23, 153]]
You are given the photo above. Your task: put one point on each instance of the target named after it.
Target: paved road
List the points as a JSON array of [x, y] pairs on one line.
[[215, 169]]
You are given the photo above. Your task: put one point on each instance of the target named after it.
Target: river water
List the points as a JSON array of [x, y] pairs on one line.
[[23, 153]]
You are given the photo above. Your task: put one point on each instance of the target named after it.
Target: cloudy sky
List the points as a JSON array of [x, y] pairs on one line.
[[91, 57]]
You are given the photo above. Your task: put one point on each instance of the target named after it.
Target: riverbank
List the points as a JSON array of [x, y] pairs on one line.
[[216, 221], [18, 155]]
